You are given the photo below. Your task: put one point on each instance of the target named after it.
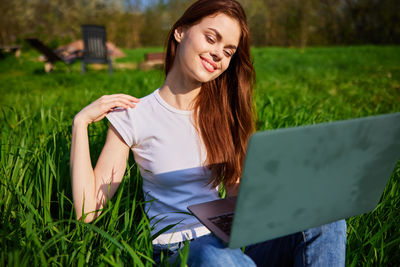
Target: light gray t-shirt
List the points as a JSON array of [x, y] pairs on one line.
[[170, 156]]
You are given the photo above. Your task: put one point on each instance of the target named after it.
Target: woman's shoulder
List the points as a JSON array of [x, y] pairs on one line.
[[145, 102], [130, 122], [148, 97]]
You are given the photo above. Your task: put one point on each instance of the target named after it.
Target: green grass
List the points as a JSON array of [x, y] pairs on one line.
[[294, 87]]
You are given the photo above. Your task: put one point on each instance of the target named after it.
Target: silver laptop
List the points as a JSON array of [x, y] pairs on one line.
[[303, 177]]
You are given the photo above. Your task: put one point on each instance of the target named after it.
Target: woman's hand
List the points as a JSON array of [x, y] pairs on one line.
[[98, 109]]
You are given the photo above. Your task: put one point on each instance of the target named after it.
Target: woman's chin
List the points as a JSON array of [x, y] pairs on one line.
[[205, 77]]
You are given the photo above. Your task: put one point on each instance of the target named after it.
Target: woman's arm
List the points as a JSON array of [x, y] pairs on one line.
[[91, 188]]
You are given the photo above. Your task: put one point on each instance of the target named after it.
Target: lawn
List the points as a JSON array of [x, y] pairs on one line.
[[294, 87]]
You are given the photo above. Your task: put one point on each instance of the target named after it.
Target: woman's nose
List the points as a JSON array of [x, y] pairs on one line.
[[216, 54]]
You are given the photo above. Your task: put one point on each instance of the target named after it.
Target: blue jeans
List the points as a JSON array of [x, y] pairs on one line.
[[320, 246]]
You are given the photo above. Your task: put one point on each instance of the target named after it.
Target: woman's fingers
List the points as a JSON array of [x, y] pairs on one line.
[[98, 109], [127, 97], [119, 104], [110, 106], [113, 102], [122, 97]]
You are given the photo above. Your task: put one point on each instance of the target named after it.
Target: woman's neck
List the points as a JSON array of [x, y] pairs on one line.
[[178, 91]]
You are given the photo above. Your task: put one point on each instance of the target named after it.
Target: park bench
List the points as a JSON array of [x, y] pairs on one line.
[[153, 60]]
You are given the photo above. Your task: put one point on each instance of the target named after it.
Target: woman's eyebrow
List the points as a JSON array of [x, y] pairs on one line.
[[219, 37]]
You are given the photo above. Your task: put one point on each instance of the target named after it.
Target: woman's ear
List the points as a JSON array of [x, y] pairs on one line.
[[178, 34]]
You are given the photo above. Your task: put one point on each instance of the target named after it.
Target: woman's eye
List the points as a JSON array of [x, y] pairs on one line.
[[228, 54], [210, 39]]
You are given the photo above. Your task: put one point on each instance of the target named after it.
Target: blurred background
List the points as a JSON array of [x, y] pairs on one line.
[[141, 23]]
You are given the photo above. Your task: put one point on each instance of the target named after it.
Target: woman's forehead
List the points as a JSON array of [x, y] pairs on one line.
[[227, 27]]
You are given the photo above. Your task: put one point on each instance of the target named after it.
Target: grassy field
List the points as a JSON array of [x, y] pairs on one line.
[[294, 87]]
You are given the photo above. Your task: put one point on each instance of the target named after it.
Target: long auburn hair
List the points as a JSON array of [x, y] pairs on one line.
[[224, 105]]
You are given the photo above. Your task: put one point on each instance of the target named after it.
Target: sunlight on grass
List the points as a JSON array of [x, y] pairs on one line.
[[294, 87]]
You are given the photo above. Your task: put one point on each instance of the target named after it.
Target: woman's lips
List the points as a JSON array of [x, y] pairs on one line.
[[208, 65]]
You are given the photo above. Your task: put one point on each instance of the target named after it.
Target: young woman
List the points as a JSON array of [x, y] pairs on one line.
[[188, 137]]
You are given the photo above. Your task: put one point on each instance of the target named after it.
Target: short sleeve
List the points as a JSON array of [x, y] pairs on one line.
[[124, 122]]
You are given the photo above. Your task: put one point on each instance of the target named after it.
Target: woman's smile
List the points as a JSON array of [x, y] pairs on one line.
[[208, 64]]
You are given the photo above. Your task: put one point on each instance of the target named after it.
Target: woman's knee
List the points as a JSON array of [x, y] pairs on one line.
[[326, 244], [336, 232], [209, 251]]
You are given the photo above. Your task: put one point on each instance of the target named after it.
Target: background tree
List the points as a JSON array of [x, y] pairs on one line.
[[132, 23]]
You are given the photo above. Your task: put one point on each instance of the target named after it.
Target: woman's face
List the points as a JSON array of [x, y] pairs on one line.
[[205, 49]]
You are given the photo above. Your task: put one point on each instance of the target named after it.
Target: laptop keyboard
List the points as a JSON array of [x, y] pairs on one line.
[[223, 222]]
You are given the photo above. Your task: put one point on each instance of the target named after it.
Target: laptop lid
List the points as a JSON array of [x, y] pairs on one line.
[[302, 177]]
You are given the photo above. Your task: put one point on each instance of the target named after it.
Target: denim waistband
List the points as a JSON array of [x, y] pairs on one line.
[[180, 236]]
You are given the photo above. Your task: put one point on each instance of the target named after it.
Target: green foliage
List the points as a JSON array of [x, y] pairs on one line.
[[294, 87], [136, 23]]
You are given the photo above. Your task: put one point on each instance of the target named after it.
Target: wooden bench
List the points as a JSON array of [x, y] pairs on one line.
[[153, 60], [155, 56]]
